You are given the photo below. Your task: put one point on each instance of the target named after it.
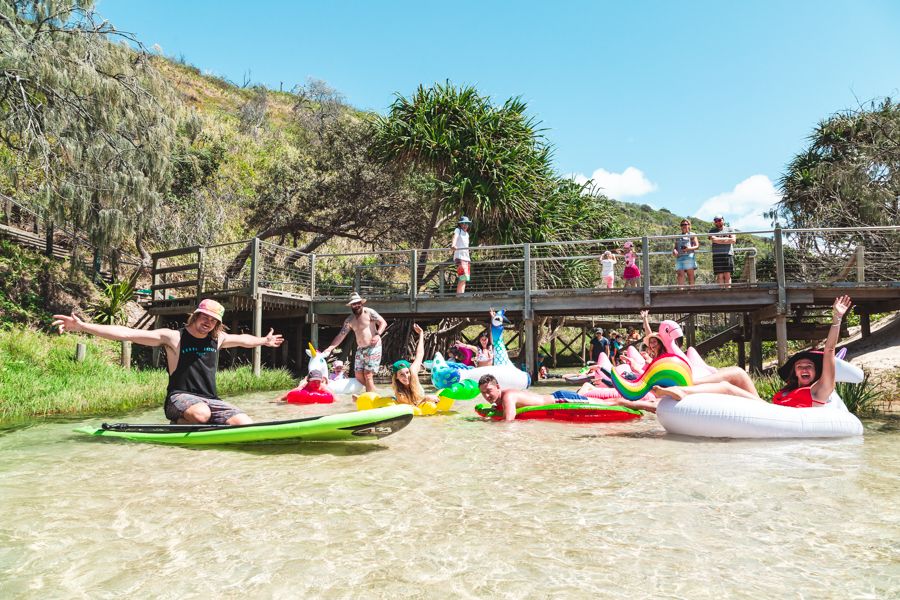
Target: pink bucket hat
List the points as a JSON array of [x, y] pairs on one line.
[[212, 308], [628, 245]]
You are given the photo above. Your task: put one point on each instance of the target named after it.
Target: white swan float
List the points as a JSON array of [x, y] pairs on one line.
[[723, 416]]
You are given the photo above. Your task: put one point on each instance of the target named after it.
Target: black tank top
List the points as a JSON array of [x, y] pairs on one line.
[[198, 359]]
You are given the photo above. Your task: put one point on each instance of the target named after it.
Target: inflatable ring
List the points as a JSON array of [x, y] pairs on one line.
[[581, 412], [371, 400], [307, 396]]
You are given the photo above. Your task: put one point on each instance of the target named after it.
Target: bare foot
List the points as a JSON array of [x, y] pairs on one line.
[[668, 392]]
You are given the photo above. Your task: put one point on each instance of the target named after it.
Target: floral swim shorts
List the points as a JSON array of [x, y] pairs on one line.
[[368, 359]]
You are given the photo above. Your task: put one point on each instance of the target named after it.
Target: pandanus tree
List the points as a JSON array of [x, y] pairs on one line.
[[849, 175], [488, 162], [89, 117]]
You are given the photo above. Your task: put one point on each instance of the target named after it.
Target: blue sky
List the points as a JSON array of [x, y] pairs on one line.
[[692, 106]]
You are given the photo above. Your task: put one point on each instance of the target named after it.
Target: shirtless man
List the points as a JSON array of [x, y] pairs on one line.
[[510, 400], [192, 357], [368, 326]]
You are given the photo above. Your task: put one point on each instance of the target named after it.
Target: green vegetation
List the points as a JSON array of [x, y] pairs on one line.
[[33, 287], [39, 378]]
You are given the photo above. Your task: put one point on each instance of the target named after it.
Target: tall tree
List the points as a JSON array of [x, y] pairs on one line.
[[93, 116], [850, 173], [489, 162]]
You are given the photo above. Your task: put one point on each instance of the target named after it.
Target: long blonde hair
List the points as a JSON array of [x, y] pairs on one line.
[[408, 394]]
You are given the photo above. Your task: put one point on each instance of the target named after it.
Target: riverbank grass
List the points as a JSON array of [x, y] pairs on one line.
[[40, 378]]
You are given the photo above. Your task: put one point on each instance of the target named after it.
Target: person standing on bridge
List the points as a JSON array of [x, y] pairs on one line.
[[460, 246], [192, 358], [723, 240], [685, 263], [368, 326]]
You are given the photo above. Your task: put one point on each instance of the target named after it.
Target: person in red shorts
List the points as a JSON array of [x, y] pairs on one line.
[[808, 375]]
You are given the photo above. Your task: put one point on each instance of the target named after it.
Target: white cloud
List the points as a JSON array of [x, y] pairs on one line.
[[743, 207], [629, 183]]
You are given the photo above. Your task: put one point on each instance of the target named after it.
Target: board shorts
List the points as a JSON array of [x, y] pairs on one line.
[[179, 402], [631, 272], [685, 262], [367, 359], [723, 263], [463, 270], [563, 396]]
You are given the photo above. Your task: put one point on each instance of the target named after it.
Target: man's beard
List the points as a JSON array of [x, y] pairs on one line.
[[357, 311]]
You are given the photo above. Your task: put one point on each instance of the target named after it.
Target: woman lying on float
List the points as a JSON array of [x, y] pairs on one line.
[[809, 375]]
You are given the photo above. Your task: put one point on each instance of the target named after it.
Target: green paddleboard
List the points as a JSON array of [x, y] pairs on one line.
[[358, 425]]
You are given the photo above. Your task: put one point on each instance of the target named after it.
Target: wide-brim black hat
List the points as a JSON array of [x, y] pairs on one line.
[[785, 370]]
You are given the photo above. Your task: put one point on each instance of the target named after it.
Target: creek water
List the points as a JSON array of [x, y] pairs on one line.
[[450, 507]]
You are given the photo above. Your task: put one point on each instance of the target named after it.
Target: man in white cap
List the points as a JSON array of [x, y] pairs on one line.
[[192, 357], [368, 326], [460, 246], [723, 240]]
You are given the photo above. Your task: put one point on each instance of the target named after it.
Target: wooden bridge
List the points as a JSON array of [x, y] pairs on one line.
[[781, 277]]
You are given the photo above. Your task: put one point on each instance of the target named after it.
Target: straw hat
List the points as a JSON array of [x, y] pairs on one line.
[[355, 297]]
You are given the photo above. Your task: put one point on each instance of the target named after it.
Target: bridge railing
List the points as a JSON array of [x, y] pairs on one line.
[[779, 257], [494, 270], [854, 255]]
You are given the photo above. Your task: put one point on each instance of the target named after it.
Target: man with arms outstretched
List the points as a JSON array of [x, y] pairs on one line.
[[192, 357], [368, 326]]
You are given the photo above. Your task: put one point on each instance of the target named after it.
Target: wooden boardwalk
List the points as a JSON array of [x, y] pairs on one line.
[[780, 275]]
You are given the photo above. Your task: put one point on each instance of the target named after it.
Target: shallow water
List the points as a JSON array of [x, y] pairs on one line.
[[450, 507]]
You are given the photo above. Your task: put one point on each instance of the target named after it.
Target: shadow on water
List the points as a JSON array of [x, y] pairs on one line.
[[262, 448]]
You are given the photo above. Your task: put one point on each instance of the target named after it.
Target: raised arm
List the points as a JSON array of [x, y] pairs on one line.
[[645, 315], [152, 337], [245, 340], [416, 365], [345, 329], [822, 388]]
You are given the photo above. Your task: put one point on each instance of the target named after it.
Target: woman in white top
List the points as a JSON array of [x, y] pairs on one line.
[[460, 246]]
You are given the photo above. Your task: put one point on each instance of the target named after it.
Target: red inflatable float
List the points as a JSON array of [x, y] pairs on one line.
[[312, 393]]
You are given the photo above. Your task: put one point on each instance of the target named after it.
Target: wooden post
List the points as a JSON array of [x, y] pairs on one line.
[[413, 278], [865, 324], [690, 334], [314, 334], [126, 355], [530, 339], [80, 351], [553, 350], [526, 268], [584, 345], [781, 306], [201, 283], [742, 353], [257, 330], [645, 269], [756, 358], [860, 263], [299, 351], [254, 267], [781, 337], [750, 267]]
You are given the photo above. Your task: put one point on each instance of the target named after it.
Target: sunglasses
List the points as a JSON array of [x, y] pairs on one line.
[[685, 224], [717, 220]]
